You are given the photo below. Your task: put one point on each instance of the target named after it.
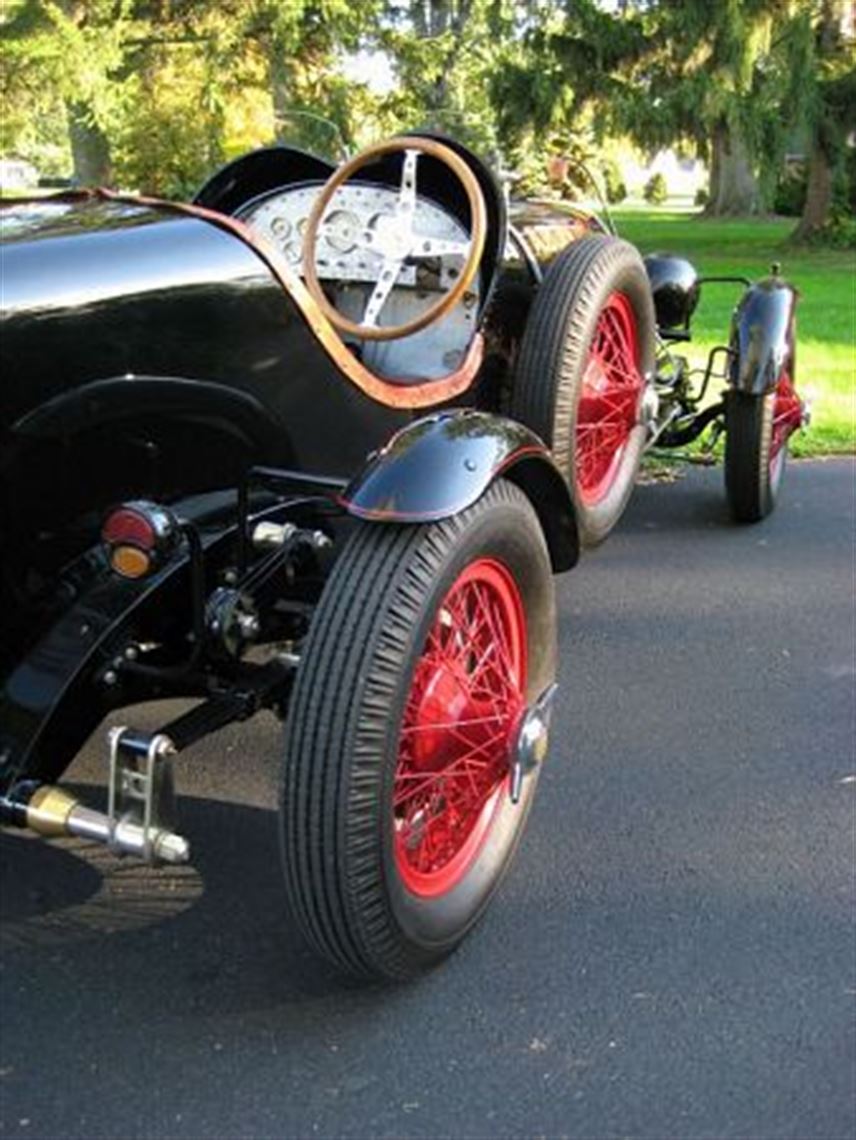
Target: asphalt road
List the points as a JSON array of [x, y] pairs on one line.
[[673, 954]]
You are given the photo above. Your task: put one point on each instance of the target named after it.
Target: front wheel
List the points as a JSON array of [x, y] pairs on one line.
[[756, 447], [397, 819]]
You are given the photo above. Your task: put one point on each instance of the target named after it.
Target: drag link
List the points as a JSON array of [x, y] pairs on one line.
[[51, 811]]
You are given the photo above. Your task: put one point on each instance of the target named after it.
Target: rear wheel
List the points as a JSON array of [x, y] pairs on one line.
[[427, 647], [581, 374], [756, 448]]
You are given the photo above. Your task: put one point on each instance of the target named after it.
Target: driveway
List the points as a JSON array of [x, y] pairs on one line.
[[673, 954]]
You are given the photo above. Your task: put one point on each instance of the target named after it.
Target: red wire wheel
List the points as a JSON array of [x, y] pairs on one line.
[[787, 417], [465, 703], [429, 645], [757, 429], [609, 403], [579, 379]]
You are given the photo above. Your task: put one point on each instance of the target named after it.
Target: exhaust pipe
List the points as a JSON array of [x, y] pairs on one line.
[[51, 811]]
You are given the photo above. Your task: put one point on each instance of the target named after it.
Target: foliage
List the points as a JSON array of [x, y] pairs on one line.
[[444, 54], [59, 62], [614, 187], [789, 196], [838, 233], [656, 191], [824, 278], [530, 176], [154, 93], [826, 104], [172, 88]]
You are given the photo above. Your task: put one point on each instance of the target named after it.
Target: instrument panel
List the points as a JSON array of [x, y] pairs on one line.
[[281, 218]]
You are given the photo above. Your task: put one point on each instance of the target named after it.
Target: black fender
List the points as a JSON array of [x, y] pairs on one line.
[[54, 695], [762, 336], [52, 698], [441, 464]]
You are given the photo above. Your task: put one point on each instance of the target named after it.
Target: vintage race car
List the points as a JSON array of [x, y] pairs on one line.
[[317, 442]]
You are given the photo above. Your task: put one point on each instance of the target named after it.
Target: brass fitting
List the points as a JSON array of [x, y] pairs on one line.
[[49, 809]]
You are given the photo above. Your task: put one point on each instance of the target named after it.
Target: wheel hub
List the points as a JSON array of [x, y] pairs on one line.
[[460, 729], [447, 700]]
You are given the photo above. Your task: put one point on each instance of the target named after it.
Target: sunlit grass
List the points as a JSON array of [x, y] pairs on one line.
[[826, 315]]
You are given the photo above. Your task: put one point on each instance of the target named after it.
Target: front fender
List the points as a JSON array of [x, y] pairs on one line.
[[441, 464], [762, 339]]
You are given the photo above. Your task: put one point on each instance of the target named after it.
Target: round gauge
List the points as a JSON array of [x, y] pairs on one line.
[[383, 222], [340, 229], [280, 228], [292, 251], [387, 228]]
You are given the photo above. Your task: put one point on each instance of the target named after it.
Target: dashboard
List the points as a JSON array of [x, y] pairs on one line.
[[350, 268], [281, 217]]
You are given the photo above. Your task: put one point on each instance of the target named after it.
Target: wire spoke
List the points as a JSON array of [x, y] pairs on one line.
[[455, 740], [608, 407]]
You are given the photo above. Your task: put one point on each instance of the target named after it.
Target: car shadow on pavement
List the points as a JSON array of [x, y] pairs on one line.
[[211, 936], [695, 502]]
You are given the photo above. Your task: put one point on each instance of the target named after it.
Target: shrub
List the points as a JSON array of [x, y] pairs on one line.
[[701, 196], [530, 176], [656, 191], [789, 195], [838, 233], [613, 183]]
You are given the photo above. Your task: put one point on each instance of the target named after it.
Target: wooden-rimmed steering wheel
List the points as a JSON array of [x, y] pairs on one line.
[[399, 242]]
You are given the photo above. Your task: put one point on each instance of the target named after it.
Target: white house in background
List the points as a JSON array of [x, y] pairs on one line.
[[684, 176], [17, 174]]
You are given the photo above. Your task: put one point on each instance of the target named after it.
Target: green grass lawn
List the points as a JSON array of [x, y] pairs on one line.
[[826, 314]]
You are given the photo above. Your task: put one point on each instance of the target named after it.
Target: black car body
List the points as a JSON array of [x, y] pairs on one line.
[[189, 442]]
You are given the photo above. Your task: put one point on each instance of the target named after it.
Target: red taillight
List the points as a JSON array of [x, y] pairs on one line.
[[129, 525], [139, 536]]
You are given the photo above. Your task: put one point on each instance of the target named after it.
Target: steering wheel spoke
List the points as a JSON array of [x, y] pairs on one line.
[[407, 189], [424, 246], [383, 287]]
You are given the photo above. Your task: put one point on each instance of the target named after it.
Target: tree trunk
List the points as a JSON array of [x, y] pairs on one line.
[[431, 21], [818, 199], [90, 150], [281, 85], [715, 155], [733, 185]]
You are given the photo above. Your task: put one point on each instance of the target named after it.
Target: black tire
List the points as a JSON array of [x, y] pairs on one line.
[[554, 354], [340, 851], [752, 480]]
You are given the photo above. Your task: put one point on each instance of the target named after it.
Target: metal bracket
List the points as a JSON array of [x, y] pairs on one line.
[[141, 791]]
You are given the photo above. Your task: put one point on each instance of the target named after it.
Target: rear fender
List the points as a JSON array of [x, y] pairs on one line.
[[57, 691], [233, 412], [762, 336], [441, 464], [55, 696]]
